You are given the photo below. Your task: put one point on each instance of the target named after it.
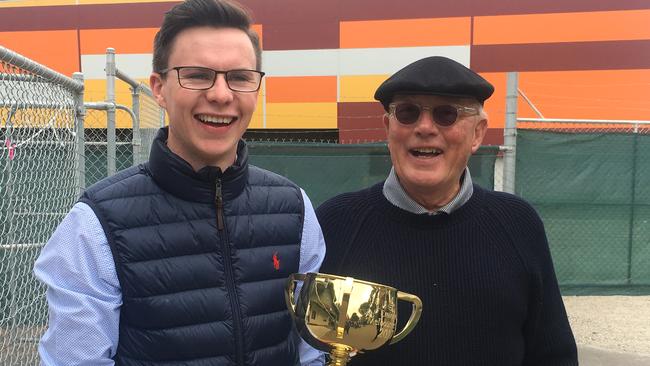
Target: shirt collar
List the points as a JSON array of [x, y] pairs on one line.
[[395, 194]]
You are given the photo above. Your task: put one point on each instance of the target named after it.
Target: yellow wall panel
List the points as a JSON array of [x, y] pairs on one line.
[[301, 115], [95, 91], [86, 2], [359, 88], [20, 3], [258, 116]]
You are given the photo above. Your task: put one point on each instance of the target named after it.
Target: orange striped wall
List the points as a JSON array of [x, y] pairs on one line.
[[405, 32], [563, 27], [602, 94], [314, 89], [56, 49], [138, 40], [123, 40]]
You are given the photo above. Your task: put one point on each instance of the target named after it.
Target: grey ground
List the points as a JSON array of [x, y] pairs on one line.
[[611, 330]]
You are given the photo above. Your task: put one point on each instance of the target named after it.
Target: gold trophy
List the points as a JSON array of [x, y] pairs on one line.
[[342, 315]]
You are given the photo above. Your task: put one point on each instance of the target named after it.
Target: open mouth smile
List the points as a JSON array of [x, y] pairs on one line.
[[425, 152], [214, 120]]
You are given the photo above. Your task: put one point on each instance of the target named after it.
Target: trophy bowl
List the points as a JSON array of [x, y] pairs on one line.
[[343, 315]]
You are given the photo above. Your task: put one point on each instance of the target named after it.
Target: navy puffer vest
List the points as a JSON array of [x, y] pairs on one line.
[[202, 259]]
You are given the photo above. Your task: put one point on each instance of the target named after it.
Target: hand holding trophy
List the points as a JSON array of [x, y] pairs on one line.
[[342, 315]]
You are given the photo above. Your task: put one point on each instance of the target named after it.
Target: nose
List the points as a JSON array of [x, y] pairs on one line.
[[220, 92], [425, 124]]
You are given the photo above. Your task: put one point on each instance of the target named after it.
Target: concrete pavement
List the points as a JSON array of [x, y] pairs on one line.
[[592, 356]]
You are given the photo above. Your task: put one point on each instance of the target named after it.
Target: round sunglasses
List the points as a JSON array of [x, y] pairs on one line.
[[407, 113]]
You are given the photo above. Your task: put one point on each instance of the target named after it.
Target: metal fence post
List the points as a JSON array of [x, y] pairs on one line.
[[162, 117], [136, 139], [11, 235], [510, 134], [633, 212], [110, 112], [80, 115]]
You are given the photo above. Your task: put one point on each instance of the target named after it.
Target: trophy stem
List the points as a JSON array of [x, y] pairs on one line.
[[340, 355]]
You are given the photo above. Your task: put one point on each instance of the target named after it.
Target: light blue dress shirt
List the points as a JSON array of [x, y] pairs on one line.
[[84, 295]]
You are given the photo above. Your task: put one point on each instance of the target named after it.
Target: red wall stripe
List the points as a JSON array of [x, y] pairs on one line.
[[291, 13], [561, 56]]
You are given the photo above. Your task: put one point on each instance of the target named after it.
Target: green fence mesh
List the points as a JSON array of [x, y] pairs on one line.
[[322, 170], [326, 170], [593, 193]]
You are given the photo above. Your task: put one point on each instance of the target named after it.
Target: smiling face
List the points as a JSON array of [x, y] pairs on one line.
[[429, 159], [206, 125]]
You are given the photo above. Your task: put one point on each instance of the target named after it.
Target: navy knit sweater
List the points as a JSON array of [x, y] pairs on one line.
[[484, 274]]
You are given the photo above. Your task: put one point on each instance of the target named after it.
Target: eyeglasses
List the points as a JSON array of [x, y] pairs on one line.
[[407, 113], [203, 78]]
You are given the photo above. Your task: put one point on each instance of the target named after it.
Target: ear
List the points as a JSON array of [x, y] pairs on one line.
[[385, 120], [480, 129], [156, 84]]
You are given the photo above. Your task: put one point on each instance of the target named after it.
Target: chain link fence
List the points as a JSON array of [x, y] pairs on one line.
[[589, 182], [588, 179], [324, 170], [96, 145], [39, 149], [47, 158], [109, 149], [151, 118]]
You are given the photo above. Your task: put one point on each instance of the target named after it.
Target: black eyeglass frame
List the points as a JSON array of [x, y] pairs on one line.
[[460, 109], [214, 79]]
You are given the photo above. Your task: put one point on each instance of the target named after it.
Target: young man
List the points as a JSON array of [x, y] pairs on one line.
[[478, 259], [183, 260]]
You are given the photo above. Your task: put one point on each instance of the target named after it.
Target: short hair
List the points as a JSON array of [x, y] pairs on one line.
[[199, 13], [482, 114]]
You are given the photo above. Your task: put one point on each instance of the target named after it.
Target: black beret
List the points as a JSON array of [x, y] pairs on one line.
[[435, 75]]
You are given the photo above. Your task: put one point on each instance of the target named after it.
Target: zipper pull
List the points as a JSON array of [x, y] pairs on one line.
[[219, 202]]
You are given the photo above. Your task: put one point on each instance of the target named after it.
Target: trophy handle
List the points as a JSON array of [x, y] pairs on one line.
[[290, 293], [415, 315]]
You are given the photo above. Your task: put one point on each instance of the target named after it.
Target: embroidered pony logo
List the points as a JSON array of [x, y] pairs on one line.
[[276, 261]]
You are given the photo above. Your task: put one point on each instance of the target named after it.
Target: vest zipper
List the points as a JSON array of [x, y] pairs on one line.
[[219, 199], [230, 278]]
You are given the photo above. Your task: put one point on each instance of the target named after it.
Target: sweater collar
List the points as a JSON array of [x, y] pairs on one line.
[[425, 221], [176, 176]]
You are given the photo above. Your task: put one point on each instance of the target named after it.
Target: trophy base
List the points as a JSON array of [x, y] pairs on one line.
[[339, 355]]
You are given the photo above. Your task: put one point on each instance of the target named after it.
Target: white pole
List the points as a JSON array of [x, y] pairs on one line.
[[510, 134]]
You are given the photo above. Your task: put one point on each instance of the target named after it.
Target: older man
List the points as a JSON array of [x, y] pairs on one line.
[[478, 259]]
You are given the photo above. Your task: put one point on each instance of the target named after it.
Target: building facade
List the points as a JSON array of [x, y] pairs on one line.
[[324, 59]]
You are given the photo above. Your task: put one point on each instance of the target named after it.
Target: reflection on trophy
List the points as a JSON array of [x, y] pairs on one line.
[[341, 315]]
